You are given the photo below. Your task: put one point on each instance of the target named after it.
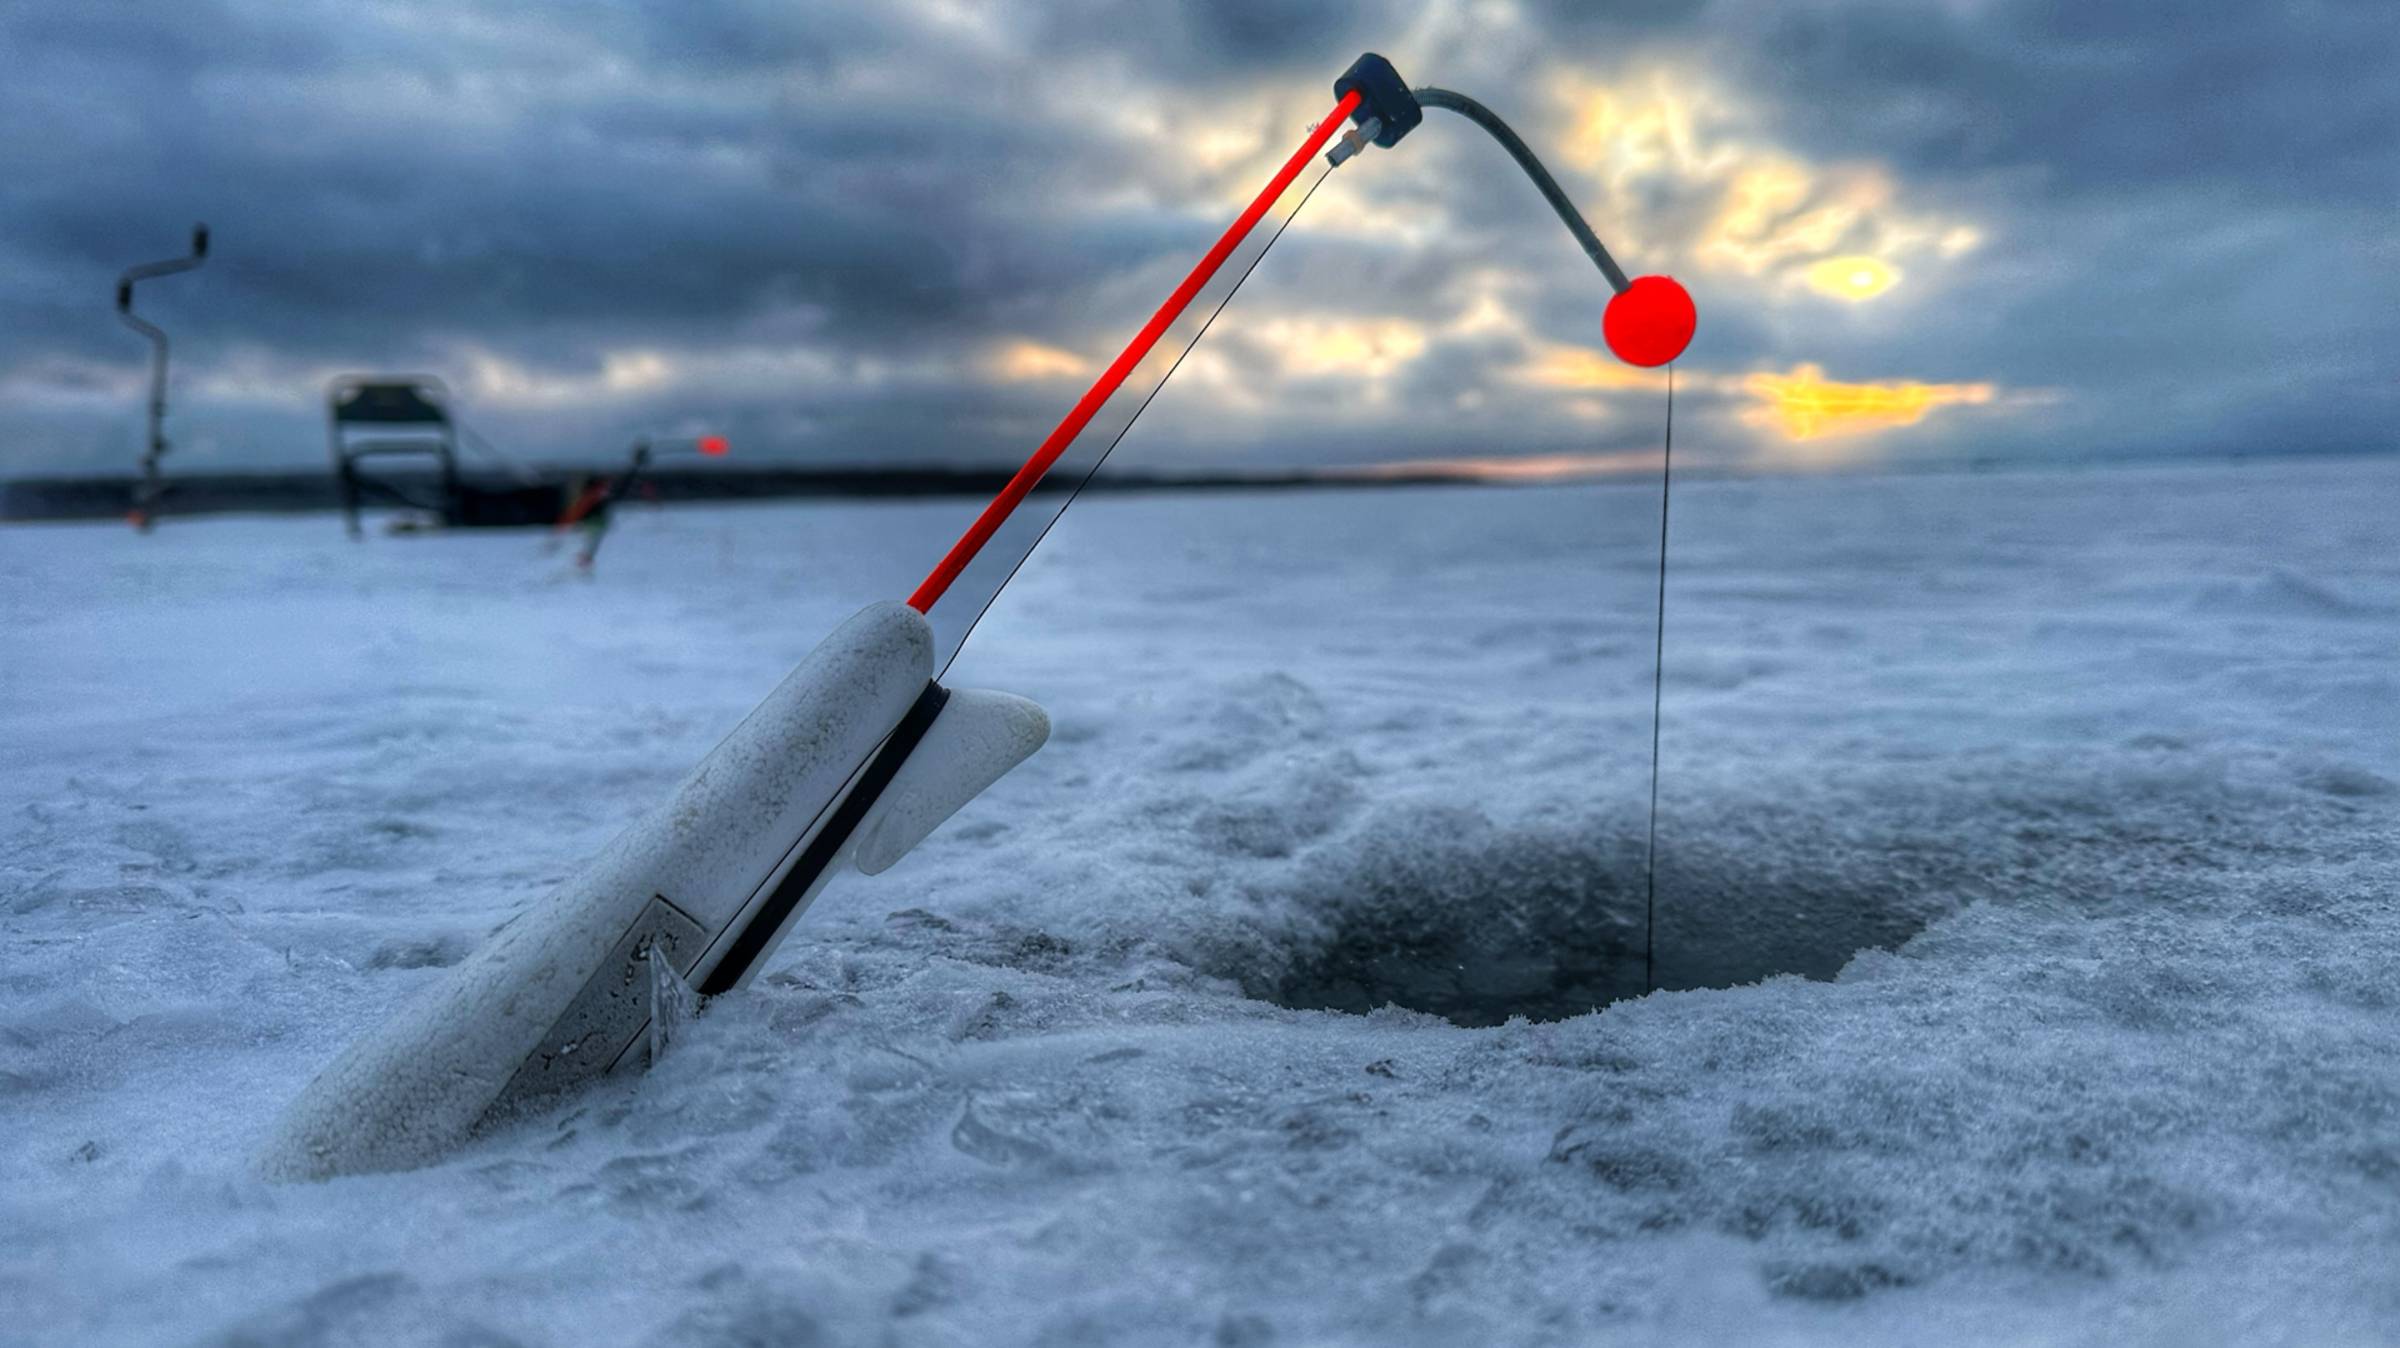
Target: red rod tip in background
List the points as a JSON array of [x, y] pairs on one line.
[[713, 445], [1649, 322]]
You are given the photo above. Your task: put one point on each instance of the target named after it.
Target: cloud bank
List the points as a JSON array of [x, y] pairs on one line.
[[907, 232]]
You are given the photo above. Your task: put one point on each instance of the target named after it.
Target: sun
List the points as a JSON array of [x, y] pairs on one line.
[[1855, 278]]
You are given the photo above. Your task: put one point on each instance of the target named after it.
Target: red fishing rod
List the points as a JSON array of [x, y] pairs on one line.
[[1080, 415], [1648, 322]]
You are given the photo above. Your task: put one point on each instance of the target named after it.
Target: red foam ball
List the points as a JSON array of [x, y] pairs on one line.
[[713, 445], [1649, 322]]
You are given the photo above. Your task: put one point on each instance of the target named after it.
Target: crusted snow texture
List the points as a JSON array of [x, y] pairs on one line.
[[1257, 1008], [415, 1087], [977, 738]]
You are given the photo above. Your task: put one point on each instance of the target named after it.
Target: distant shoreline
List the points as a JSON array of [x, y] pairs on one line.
[[109, 496]]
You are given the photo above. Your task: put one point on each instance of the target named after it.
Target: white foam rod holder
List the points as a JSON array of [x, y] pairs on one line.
[[858, 754]]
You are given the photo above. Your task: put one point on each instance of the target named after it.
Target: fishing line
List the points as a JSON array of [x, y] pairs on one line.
[[1658, 689], [1089, 473]]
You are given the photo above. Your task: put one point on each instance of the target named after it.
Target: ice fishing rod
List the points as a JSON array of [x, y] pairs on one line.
[[1649, 322], [602, 496], [146, 493], [855, 758]]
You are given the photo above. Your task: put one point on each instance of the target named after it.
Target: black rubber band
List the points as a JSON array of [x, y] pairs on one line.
[[802, 877]]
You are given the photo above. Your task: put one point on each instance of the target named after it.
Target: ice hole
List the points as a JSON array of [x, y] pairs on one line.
[[1450, 915]]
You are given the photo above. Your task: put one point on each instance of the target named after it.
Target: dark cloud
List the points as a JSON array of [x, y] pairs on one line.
[[815, 224], [2275, 101]]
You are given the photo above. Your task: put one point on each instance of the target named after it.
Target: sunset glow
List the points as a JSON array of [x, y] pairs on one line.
[[1852, 278], [1805, 405], [1026, 361]]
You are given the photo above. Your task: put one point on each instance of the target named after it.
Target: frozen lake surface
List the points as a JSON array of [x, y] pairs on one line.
[[2028, 903]]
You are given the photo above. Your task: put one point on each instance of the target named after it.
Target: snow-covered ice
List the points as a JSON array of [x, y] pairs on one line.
[[2103, 769]]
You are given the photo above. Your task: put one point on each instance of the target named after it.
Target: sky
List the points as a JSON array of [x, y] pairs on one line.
[[909, 231]]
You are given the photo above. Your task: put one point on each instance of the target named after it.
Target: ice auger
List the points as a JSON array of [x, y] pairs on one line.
[[147, 492]]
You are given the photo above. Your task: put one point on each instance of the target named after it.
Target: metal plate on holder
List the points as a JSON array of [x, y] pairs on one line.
[[610, 1013]]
